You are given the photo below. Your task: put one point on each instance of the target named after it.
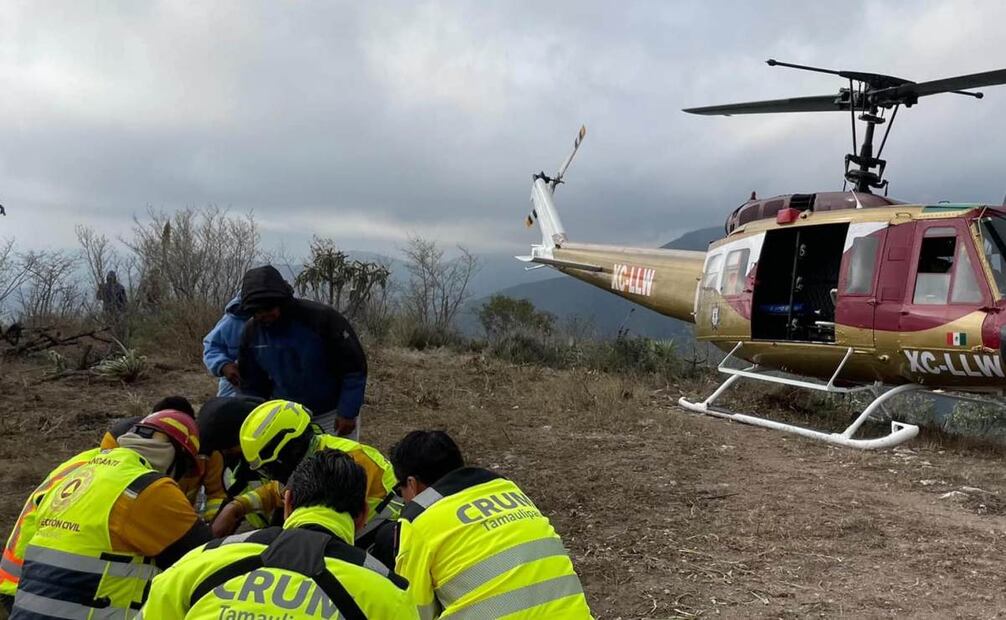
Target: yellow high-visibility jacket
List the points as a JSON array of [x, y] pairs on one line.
[[97, 533], [281, 573], [473, 545]]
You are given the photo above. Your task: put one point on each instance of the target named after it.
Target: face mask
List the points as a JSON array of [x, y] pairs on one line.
[[158, 451]]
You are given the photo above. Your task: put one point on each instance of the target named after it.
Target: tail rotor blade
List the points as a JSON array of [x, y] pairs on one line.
[[576, 145]]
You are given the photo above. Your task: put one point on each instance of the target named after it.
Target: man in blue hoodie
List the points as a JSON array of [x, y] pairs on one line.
[[300, 350], [221, 345]]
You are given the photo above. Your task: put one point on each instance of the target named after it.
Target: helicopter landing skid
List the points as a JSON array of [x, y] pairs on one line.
[[900, 431]]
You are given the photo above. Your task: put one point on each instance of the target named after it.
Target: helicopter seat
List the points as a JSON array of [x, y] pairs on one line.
[[781, 309]]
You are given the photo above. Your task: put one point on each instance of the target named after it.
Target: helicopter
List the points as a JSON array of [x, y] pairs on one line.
[[837, 291]]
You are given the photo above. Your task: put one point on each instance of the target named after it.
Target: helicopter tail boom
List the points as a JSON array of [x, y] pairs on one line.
[[659, 279]]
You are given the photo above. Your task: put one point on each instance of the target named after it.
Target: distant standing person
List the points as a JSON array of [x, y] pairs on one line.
[[112, 295], [221, 346], [300, 350]]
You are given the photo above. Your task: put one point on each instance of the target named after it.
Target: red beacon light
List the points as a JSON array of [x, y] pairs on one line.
[[787, 216]]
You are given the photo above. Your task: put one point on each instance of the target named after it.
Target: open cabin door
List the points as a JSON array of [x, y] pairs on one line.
[[857, 294], [798, 273]]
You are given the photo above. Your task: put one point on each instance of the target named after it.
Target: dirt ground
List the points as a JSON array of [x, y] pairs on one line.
[[666, 514]]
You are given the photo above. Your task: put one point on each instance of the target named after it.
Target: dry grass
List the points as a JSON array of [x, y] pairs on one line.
[[666, 514]]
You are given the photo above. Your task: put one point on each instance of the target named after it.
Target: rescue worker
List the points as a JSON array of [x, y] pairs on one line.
[[301, 350], [221, 345], [278, 435], [105, 521], [219, 421], [120, 427], [472, 544], [208, 477], [306, 569]]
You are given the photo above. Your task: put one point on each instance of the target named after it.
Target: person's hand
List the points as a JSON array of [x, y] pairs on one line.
[[228, 519], [344, 426], [230, 372]]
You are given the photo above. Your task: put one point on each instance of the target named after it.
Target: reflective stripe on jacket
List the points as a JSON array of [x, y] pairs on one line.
[[69, 569], [473, 545], [380, 475], [282, 573], [24, 528]]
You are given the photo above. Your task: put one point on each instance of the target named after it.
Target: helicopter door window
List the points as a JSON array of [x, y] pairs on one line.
[[862, 266], [936, 264], [965, 289], [735, 272]]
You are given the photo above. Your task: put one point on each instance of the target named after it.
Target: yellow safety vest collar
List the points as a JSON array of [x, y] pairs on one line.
[[302, 549]]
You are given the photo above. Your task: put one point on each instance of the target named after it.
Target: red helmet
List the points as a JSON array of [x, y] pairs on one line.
[[178, 426]]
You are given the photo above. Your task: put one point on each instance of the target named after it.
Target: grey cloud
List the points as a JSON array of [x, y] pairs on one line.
[[371, 121]]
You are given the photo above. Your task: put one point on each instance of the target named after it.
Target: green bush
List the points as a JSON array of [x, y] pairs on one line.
[[636, 354], [176, 331], [411, 334], [522, 347], [502, 315]]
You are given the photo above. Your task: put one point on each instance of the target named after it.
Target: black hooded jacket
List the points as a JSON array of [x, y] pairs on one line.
[[311, 355]]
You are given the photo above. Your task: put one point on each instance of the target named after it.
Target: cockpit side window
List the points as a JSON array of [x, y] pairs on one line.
[[946, 272], [735, 272], [936, 263]]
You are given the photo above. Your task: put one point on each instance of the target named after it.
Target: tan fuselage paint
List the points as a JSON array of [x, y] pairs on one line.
[[670, 291], [667, 282]]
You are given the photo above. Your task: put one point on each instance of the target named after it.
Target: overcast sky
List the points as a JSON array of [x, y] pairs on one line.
[[370, 121]]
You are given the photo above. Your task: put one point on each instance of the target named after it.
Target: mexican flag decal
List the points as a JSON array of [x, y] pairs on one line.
[[957, 339]]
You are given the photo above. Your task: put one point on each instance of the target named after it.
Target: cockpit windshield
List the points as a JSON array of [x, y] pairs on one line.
[[994, 245]]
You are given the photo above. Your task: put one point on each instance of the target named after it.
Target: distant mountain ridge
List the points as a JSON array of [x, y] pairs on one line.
[[696, 240]]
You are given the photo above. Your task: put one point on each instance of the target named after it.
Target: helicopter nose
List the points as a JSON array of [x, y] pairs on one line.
[[994, 333]]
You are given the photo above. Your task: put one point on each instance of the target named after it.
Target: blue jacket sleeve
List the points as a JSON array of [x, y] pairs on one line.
[[354, 384], [220, 346]]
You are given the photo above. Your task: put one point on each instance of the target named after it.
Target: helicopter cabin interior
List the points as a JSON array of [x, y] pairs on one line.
[[868, 275], [798, 273]]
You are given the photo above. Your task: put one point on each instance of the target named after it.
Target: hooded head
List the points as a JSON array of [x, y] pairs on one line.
[[220, 421], [263, 292], [111, 278]]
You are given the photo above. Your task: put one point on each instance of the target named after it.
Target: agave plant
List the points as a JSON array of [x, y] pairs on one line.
[[128, 367]]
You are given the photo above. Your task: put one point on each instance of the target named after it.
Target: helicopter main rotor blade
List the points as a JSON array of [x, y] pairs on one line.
[[820, 103], [875, 80], [904, 92]]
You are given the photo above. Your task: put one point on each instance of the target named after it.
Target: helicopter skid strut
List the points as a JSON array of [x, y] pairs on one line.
[[900, 431]]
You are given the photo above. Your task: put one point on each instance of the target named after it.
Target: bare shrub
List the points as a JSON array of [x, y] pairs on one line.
[[14, 271], [98, 255], [193, 255], [437, 287], [50, 292]]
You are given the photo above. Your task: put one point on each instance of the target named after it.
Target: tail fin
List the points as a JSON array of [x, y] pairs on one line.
[[543, 210]]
